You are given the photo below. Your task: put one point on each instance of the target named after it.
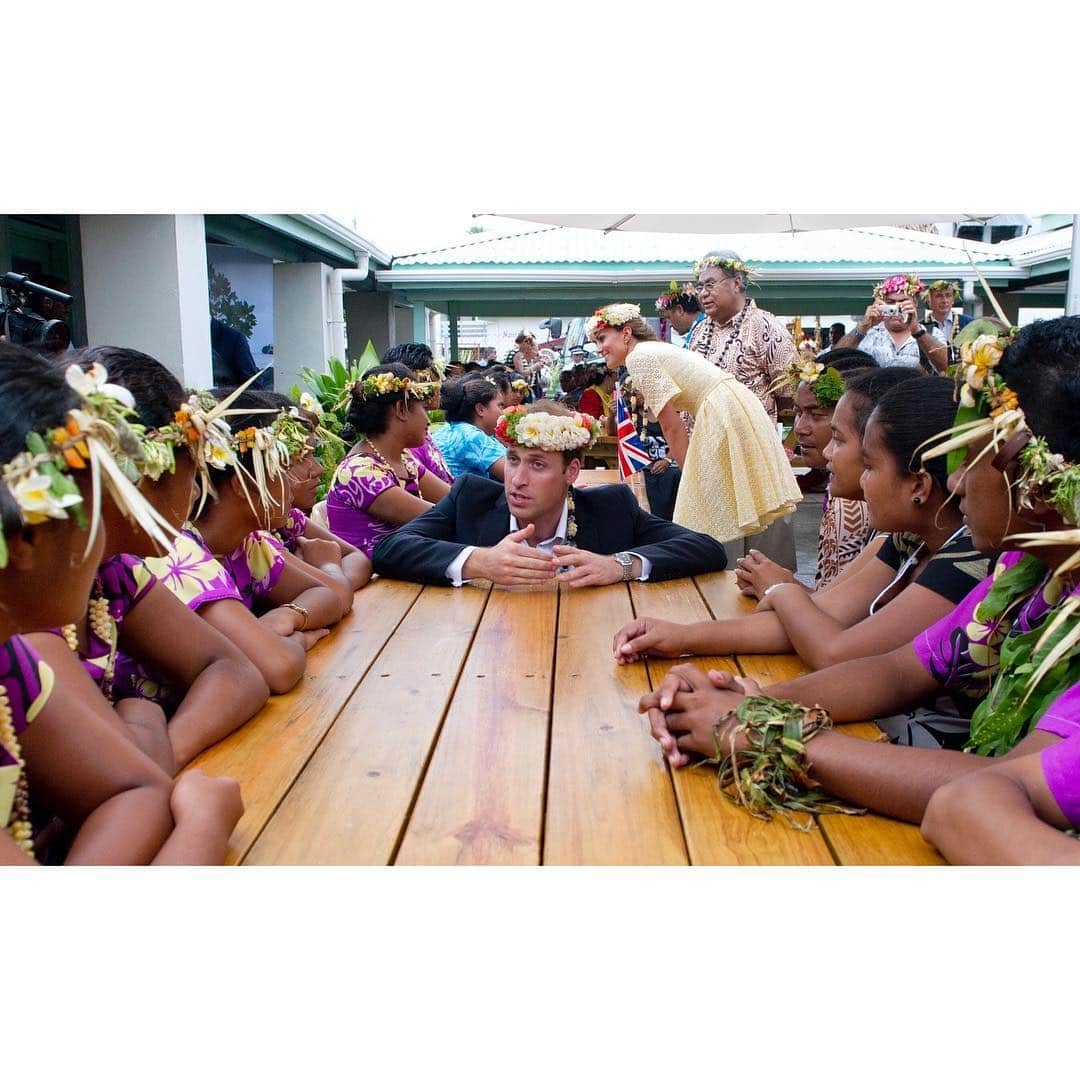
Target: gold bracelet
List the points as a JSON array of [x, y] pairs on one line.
[[300, 610]]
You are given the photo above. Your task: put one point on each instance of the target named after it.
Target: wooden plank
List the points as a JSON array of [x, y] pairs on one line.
[[872, 840], [350, 803], [716, 831], [721, 592], [482, 798], [609, 795], [269, 751]]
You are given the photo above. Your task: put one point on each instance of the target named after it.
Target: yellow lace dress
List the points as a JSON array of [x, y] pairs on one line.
[[736, 479]]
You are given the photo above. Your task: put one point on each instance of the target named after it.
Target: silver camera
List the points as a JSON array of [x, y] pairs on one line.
[[889, 310]]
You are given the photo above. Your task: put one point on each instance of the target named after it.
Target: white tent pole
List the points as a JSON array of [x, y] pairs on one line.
[[1072, 292]]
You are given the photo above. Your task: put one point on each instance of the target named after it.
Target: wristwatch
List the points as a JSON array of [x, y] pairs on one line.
[[919, 333], [626, 561]]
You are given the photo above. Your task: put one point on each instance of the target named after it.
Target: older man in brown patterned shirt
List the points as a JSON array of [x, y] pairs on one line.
[[737, 335], [755, 347]]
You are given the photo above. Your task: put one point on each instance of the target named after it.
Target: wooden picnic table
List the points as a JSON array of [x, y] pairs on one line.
[[491, 726]]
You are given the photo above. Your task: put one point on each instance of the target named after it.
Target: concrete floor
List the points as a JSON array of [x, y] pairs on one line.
[[807, 525]]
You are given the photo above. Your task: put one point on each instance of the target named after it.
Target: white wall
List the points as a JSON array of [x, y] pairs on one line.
[[144, 287], [302, 299], [252, 279]]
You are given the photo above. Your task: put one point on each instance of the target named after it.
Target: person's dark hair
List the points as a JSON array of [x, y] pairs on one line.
[[1042, 367], [525, 334], [372, 416], [849, 360], [158, 393], [838, 326], [413, 354], [502, 379], [34, 396], [688, 301], [868, 387], [461, 396], [911, 414]]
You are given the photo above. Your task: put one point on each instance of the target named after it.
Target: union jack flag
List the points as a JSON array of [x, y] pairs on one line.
[[632, 455]]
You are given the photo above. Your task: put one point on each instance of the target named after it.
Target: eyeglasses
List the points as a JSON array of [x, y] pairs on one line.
[[708, 286]]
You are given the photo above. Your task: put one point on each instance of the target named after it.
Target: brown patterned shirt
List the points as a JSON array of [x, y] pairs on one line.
[[757, 359]]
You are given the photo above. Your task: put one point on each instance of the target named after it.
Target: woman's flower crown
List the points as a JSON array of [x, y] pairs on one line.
[[673, 295], [989, 408], [827, 383], [908, 284], [519, 384], [732, 266], [98, 436], [272, 449], [612, 316], [385, 383], [546, 431]]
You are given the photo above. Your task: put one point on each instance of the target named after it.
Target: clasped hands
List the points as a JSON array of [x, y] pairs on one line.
[[685, 711], [513, 562]]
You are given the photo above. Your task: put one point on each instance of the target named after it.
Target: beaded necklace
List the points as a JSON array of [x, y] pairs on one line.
[[407, 460], [104, 627], [710, 330], [19, 826]]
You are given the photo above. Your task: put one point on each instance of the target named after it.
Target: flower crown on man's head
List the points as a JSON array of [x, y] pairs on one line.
[[941, 285], [674, 294], [546, 431], [827, 383], [612, 316], [98, 436], [908, 284], [732, 266]]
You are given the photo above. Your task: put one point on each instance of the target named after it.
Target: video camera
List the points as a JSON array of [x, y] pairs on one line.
[[23, 326]]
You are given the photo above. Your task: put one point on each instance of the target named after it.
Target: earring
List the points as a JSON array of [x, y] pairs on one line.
[[917, 500]]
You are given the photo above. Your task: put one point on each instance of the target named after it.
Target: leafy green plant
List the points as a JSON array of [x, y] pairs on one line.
[[331, 390], [227, 306]]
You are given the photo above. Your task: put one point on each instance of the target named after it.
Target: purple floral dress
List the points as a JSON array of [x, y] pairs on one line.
[[123, 582], [191, 573], [963, 650], [27, 681], [360, 479], [256, 566], [292, 532], [430, 456]]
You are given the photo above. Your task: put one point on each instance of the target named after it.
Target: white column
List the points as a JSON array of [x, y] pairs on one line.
[[144, 287], [302, 321], [1072, 291]]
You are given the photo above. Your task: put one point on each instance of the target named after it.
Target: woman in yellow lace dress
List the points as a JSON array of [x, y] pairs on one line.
[[736, 479]]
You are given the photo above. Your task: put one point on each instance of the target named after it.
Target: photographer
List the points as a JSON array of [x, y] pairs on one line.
[[890, 330], [34, 313]]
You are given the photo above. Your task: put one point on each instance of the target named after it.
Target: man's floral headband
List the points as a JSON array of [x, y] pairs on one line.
[[612, 316], [908, 284], [827, 383], [732, 266], [546, 431], [674, 294], [98, 436], [942, 285]]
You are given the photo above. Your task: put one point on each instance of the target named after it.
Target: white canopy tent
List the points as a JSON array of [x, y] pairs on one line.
[[729, 223], [777, 223]]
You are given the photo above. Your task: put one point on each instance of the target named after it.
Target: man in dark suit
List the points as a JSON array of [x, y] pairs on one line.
[[536, 525], [940, 320]]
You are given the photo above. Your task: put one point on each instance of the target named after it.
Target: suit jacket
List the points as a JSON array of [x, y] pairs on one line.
[[476, 513]]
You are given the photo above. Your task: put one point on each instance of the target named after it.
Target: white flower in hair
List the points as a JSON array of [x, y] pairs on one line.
[[88, 383], [37, 501], [311, 403]]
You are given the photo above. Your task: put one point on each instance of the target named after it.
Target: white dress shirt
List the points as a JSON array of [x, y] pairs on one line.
[[455, 569]]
